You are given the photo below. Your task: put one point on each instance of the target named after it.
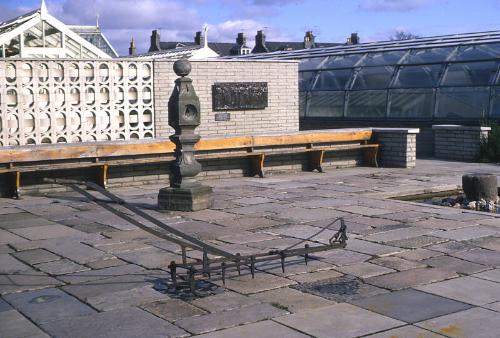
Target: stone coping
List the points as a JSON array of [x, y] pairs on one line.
[[397, 130], [459, 127]]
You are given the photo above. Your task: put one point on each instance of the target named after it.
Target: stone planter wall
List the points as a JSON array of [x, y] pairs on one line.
[[398, 146], [459, 143]]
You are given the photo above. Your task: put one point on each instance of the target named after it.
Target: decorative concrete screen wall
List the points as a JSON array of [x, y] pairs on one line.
[[281, 114], [65, 101]]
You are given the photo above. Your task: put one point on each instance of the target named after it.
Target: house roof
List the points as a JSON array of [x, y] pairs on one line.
[[190, 52], [94, 35]]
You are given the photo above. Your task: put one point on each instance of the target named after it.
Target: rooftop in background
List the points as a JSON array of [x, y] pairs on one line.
[[239, 47]]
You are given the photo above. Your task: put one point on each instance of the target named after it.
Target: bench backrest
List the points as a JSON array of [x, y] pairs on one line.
[[156, 147]]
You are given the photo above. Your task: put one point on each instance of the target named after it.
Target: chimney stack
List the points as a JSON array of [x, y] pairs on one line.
[[155, 41], [132, 50], [199, 39], [241, 47], [309, 40], [353, 40], [260, 43]]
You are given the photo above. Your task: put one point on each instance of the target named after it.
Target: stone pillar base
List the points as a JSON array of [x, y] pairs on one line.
[[185, 199]]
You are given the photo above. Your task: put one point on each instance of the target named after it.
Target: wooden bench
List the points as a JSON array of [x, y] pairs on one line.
[[256, 148]]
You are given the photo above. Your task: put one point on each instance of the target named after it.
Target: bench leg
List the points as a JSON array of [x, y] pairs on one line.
[[257, 165], [316, 160], [371, 155], [102, 175], [13, 184]]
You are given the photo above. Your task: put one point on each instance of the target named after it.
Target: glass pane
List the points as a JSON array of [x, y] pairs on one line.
[[470, 74], [310, 63], [305, 79], [385, 58], [411, 103], [367, 104], [495, 108], [302, 103], [342, 61], [478, 52], [459, 103], [53, 37], [429, 55], [12, 47], [417, 76], [325, 104], [72, 48], [34, 37], [373, 77], [333, 79]]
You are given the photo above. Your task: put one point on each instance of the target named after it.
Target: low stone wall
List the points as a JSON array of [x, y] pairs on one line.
[[398, 146], [460, 143]]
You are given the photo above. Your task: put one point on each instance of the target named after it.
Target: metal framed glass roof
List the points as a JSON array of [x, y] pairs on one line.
[[450, 77]]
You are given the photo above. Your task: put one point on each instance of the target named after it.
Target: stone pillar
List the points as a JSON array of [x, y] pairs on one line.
[[398, 146], [184, 193], [459, 143]]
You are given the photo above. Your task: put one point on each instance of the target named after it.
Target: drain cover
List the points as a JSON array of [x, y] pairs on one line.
[[340, 289]]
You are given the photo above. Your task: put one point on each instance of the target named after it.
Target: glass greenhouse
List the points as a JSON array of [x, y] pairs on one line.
[[443, 79]]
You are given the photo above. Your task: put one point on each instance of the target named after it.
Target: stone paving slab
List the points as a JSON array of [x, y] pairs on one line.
[[315, 276], [455, 264], [46, 232], [14, 325], [9, 264], [397, 263], [492, 275], [28, 280], [467, 289], [340, 321], [224, 301], [264, 329], [227, 319], [480, 256], [123, 323], [46, 305], [419, 254], [364, 270], [61, 267], [36, 256], [409, 278], [173, 309], [406, 332], [476, 322], [292, 300], [7, 237], [410, 305], [246, 285], [4, 306], [126, 298]]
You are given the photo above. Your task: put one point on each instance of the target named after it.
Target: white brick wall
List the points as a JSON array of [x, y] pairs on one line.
[[281, 115]]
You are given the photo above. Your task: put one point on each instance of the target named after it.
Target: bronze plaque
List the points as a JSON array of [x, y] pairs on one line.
[[239, 95]]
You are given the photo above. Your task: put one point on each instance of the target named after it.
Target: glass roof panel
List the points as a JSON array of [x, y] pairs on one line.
[[470, 74], [373, 77], [382, 58], [326, 104], [478, 52], [305, 79], [333, 79], [417, 76], [430, 55], [310, 63], [411, 103], [458, 103], [342, 61], [366, 104]]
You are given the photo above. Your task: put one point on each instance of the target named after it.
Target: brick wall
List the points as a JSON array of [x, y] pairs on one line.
[[460, 143], [398, 146], [281, 115]]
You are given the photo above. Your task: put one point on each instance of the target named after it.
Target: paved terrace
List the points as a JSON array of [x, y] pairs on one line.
[[71, 269]]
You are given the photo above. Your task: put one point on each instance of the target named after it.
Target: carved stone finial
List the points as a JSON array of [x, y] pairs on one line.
[[184, 193], [182, 67]]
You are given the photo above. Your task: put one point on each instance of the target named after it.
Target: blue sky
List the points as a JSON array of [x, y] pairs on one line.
[[283, 20]]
